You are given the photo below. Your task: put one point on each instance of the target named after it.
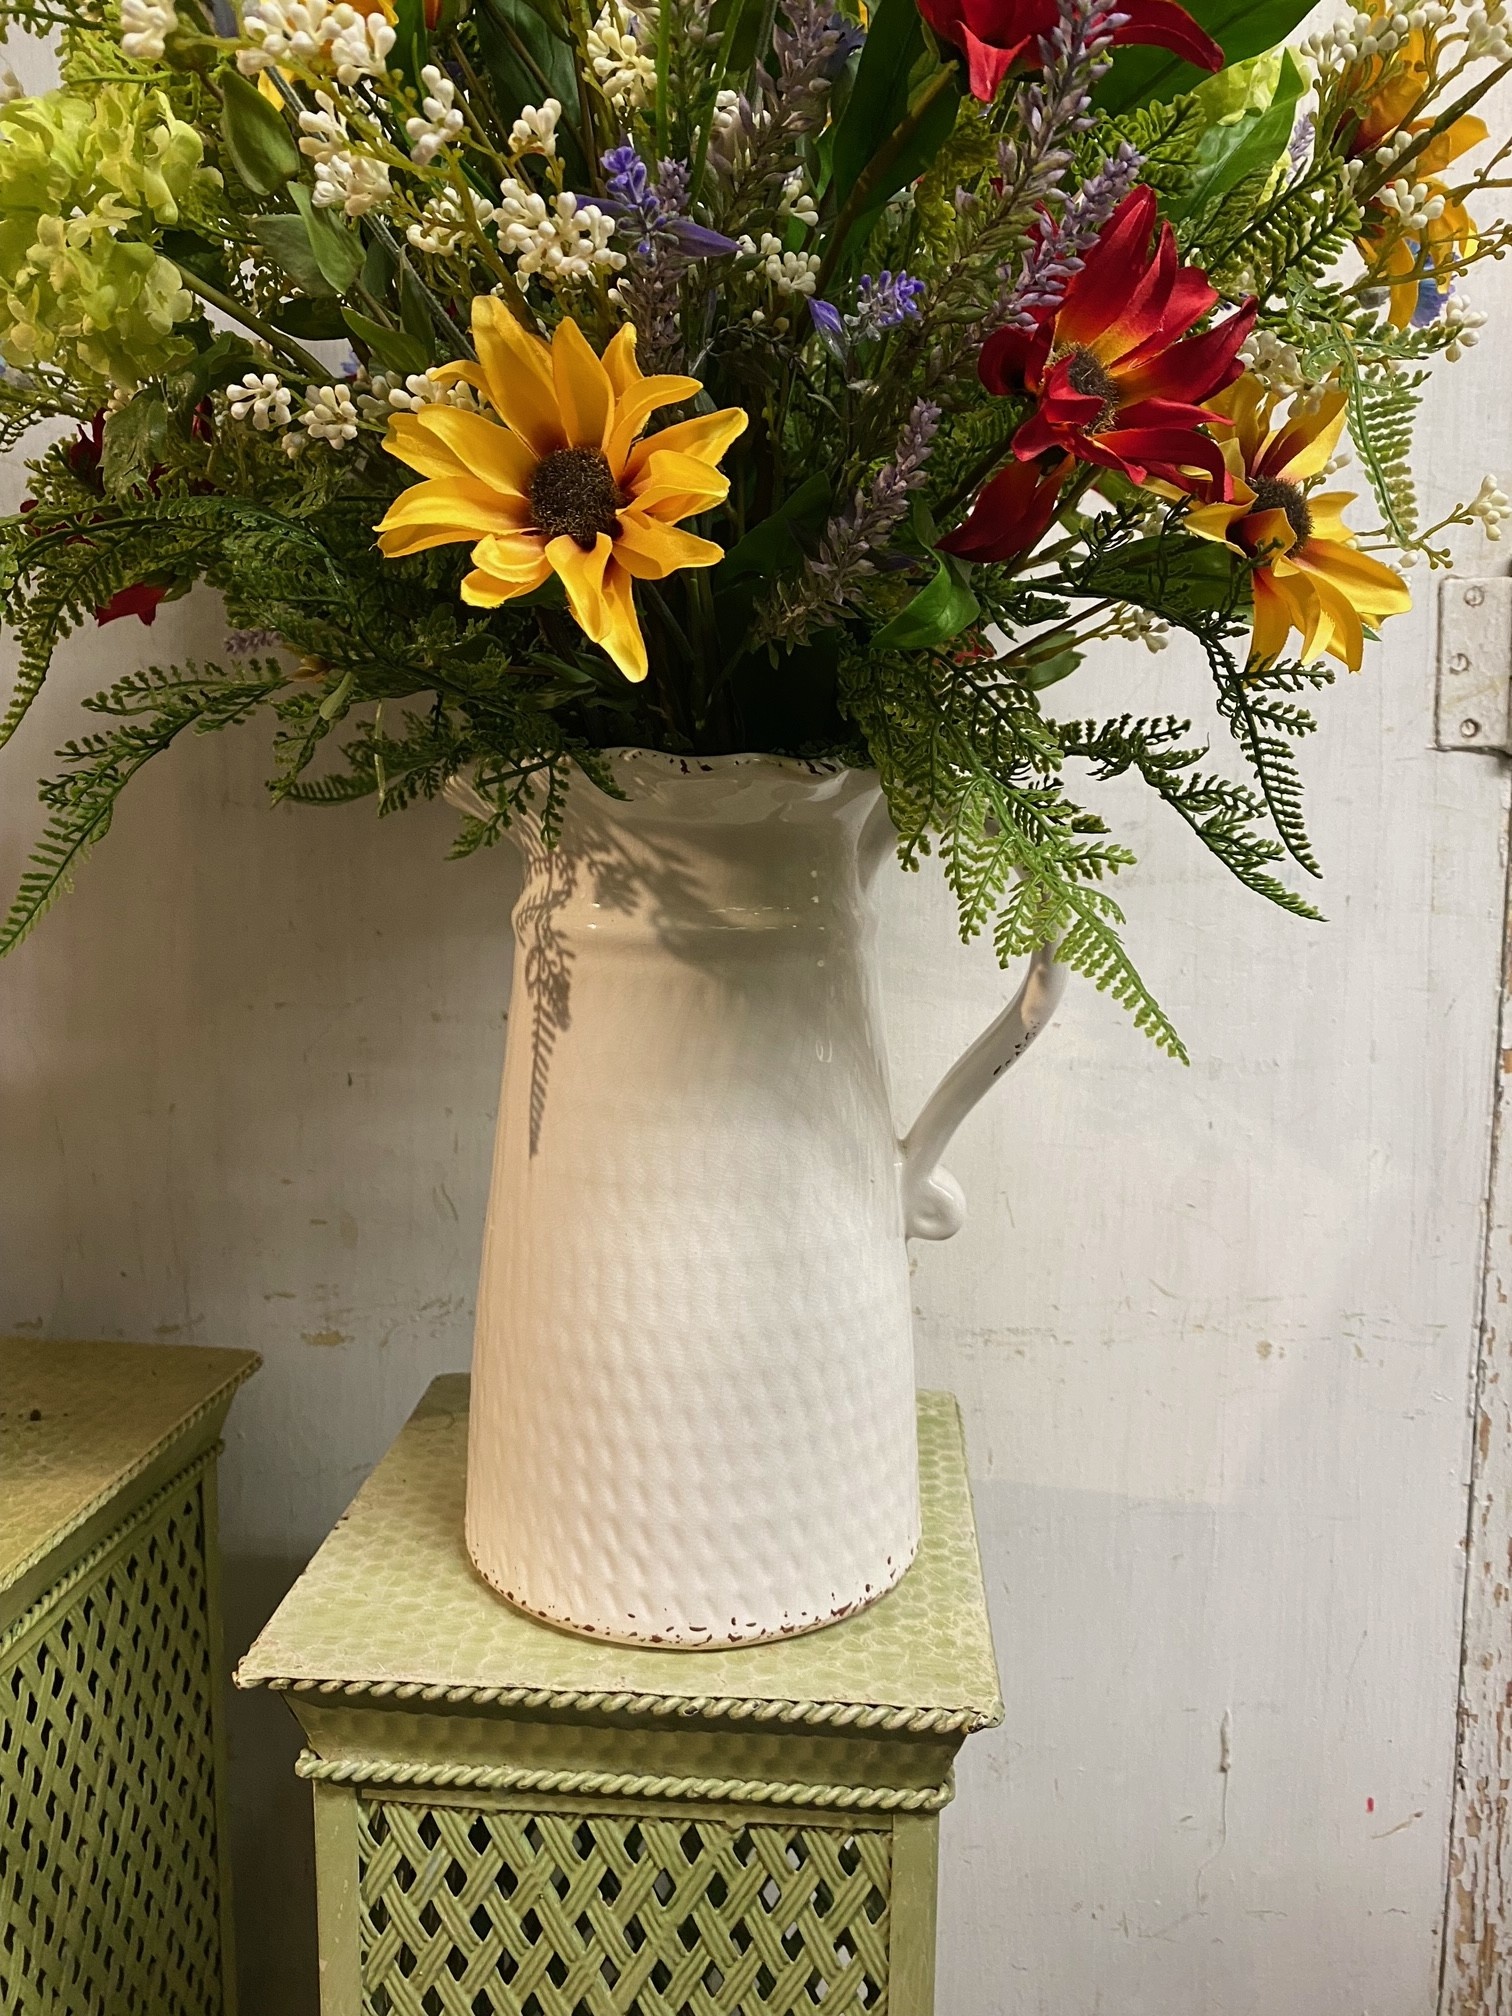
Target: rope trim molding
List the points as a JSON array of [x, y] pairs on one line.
[[86, 1565], [721, 1707], [625, 1784]]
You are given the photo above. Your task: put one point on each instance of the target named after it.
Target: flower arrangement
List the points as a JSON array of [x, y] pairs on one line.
[[541, 377]]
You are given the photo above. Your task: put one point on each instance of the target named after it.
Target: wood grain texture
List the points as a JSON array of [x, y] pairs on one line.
[[1477, 1965]]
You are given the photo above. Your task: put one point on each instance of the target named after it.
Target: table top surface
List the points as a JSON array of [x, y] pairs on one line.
[[79, 1421], [392, 1605]]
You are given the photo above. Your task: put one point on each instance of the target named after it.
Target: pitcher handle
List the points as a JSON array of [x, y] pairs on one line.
[[934, 1205]]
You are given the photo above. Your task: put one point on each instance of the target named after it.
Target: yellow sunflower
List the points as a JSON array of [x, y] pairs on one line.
[[561, 480], [1447, 240], [1392, 88], [1314, 579]]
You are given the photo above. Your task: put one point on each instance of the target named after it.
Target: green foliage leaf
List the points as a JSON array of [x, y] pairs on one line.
[[940, 611], [893, 50], [1383, 407], [196, 257], [1256, 702], [256, 135], [966, 757], [738, 25], [528, 58], [1170, 573], [414, 311], [770, 550], [1228, 818], [1249, 145], [778, 542], [379, 267], [311, 320], [1241, 28], [896, 63], [226, 356], [395, 349], [338, 252], [411, 50], [1037, 675], [1271, 244], [283, 236]]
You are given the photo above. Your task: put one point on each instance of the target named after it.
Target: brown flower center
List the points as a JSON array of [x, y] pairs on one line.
[[1274, 493], [1089, 378], [573, 492]]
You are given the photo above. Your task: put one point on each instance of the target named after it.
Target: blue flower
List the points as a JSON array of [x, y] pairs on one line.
[[1431, 303], [658, 207], [884, 301], [629, 178], [830, 324]]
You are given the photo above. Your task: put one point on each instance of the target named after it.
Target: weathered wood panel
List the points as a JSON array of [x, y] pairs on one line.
[[1477, 1972]]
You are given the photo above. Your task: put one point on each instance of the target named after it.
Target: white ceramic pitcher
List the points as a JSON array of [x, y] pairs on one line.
[[693, 1385]]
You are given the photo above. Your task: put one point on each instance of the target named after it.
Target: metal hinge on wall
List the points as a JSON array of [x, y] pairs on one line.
[[1473, 698]]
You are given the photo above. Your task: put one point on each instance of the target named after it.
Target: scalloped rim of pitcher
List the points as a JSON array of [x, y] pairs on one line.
[[740, 785], [713, 766]]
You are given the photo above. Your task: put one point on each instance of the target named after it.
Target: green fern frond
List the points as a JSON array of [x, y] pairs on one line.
[[1383, 407], [967, 761], [1297, 234], [1265, 724], [1223, 814], [341, 787], [1166, 137]]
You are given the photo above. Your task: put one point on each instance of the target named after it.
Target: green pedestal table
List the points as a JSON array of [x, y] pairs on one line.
[[113, 1891], [511, 1821]]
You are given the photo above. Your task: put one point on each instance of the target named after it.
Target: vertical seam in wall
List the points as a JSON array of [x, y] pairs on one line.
[[1497, 1144]]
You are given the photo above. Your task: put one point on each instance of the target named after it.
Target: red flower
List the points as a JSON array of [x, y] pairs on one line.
[[1114, 382], [993, 35], [140, 600], [1012, 513], [85, 454]]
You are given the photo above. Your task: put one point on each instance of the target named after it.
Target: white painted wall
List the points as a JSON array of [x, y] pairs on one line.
[[1212, 1328]]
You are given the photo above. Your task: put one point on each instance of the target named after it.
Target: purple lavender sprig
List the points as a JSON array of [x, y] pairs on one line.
[[1057, 106], [806, 51], [754, 144], [884, 301], [1054, 255], [659, 206], [1002, 222], [649, 290], [854, 537], [242, 643]]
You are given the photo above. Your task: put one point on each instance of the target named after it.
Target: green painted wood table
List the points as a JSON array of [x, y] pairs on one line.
[[511, 1821], [113, 1892]]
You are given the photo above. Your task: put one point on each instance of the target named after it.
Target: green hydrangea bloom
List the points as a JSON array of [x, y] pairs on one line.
[[86, 181], [104, 307]]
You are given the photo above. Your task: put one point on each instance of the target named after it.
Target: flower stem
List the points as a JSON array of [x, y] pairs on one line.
[[275, 339]]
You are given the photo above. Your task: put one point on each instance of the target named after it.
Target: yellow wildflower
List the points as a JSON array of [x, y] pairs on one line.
[[1314, 580], [561, 480], [1392, 89]]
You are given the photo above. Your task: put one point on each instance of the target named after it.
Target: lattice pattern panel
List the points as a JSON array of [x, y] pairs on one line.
[[109, 1885], [473, 1912]]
